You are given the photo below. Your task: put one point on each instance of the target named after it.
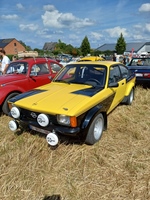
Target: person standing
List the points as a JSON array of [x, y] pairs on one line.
[[14, 58], [5, 61], [114, 57]]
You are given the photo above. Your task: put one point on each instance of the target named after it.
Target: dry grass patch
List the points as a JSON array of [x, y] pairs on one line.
[[116, 168]]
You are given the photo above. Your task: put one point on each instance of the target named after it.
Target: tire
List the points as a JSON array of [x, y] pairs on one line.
[[95, 130], [5, 107], [130, 98]]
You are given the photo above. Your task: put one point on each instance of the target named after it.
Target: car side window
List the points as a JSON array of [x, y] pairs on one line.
[[39, 69], [124, 71], [16, 67], [55, 67], [114, 75]]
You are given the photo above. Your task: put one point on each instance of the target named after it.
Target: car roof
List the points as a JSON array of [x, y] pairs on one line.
[[35, 59], [91, 58], [106, 63]]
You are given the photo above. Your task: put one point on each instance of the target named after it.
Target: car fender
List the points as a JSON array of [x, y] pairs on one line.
[[129, 88], [91, 113], [8, 89]]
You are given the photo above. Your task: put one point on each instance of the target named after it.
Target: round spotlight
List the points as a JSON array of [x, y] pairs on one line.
[[43, 120], [52, 139], [13, 125], [15, 112]]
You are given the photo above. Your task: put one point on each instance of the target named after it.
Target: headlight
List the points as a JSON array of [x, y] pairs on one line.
[[43, 120], [63, 119], [67, 120], [15, 112]]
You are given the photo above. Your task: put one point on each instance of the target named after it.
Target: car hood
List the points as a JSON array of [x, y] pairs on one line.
[[58, 98]]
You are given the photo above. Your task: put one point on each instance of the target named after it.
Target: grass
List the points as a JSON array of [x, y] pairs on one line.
[[115, 168]]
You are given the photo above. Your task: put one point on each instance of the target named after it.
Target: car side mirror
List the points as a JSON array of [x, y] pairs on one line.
[[113, 84]]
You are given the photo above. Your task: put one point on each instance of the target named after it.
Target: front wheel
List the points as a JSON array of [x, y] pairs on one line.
[[5, 107], [95, 130]]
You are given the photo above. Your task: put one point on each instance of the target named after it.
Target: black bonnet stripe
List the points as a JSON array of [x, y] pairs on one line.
[[25, 94], [88, 92]]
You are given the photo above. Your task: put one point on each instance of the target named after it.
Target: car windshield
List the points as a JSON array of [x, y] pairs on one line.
[[17, 67], [140, 62], [88, 74]]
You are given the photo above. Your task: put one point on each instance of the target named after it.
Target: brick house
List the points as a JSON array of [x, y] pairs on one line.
[[11, 46]]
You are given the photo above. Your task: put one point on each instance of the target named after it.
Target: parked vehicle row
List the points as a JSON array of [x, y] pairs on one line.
[[141, 68], [76, 103], [24, 75]]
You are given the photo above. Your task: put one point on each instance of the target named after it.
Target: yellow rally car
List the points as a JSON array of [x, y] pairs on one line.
[[76, 103]]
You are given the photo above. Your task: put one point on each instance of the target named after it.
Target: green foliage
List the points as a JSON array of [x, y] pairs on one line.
[[121, 45], [28, 48], [40, 52], [85, 46], [61, 45], [66, 49], [10, 56], [59, 49]]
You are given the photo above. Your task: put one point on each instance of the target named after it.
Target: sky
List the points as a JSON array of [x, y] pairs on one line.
[[36, 22]]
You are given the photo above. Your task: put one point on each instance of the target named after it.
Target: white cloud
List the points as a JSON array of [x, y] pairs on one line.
[[147, 27], [42, 32], [121, 4], [31, 27], [138, 37], [58, 32], [145, 7], [53, 18], [49, 7], [73, 36], [96, 35], [138, 26], [142, 27], [9, 17], [19, 6], [116, 31]]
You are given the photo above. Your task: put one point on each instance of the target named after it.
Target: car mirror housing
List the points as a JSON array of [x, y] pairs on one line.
[[113, 84]]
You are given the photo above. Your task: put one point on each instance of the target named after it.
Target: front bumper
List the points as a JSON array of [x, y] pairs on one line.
[[60, 130]]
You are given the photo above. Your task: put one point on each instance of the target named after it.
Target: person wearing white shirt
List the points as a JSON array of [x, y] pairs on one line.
[[5, 62]]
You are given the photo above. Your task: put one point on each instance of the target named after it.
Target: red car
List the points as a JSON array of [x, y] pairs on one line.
[[26, 74]]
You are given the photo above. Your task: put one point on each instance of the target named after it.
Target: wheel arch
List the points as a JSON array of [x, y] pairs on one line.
[[91, 114], [128, 93], [132, 86], [4, 105]]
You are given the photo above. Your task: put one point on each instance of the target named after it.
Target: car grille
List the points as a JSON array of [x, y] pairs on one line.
[[32, 116]]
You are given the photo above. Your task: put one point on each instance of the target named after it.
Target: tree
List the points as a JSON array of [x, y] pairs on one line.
[[28, 48], [85, 46], [121, 45]]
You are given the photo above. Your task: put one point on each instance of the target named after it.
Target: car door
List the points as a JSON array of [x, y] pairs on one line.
[[40, 74], [115, 76], [43, 72]]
